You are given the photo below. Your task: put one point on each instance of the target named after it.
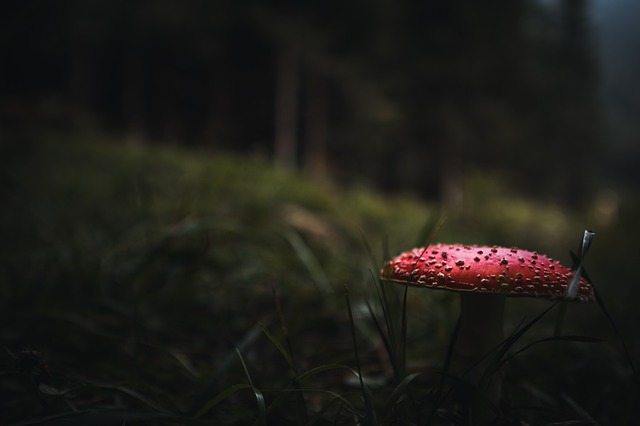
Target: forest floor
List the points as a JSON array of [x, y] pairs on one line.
[[155, 285]]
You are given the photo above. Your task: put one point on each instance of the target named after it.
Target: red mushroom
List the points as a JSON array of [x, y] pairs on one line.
[[484, 276]]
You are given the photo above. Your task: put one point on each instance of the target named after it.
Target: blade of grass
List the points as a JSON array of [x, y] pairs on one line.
[[397, 393], [370, 415], [383, 299], [613, 323], [562, 314], [289, 357], [125, 390], [506, 345], [380, 330], [581, 339], [219, 398], [342, 398], [572, 288], [306, 256], [401, 350], [285, 331], [262, 408], [322, 368], [394, 345], [275, 342], [623, 343], [393, 335], [385, 247], [294, 386], [586, 418], [430, 230], [211, 387], [439, 398], [367, 248], [338, 400]]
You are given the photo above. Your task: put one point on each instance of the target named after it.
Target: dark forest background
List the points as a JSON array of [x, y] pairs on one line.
[[407, 95], [189, 190]]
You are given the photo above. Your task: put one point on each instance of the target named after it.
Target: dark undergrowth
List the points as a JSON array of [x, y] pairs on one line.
[[159, 286]]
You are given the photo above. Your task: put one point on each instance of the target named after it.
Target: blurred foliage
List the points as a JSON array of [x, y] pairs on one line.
[[413, 95], [129, 274]]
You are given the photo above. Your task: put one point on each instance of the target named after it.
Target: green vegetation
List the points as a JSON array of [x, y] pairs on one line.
[[160, 286]]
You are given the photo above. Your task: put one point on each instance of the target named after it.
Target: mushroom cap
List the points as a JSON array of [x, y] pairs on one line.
[[484, 269]]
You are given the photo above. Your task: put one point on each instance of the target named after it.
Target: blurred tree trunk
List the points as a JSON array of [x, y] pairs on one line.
[[457, 135], [217, 129], [580, 125], [133, 93], [81, 73], [134, 79], [315, 143], [80, 84], [286, 114]]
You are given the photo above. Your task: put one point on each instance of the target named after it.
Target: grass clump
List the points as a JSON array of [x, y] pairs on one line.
[[149, 266]]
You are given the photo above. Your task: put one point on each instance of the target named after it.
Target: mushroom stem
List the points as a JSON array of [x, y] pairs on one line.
[[481, 326], [480, 331]]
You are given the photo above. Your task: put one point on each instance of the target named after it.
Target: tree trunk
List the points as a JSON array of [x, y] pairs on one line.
[[218, 129], [316, 127], [80, 74], [286, 119], [134, 79]]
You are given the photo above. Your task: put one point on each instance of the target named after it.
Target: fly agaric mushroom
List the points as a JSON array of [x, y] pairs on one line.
[[485, 276]]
